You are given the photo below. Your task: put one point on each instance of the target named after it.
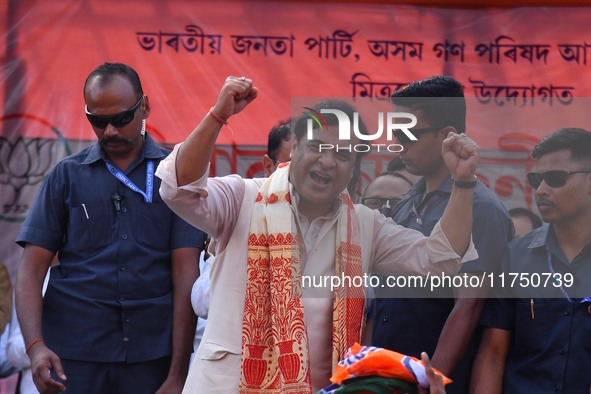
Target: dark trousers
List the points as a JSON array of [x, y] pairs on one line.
[[115, 378]]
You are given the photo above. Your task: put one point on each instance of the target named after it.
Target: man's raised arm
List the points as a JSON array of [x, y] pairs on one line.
[[194, 154], [461, 158]]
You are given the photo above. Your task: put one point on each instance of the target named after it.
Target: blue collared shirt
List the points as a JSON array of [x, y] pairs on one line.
[[413, 325], [110, 298], [550, 349]]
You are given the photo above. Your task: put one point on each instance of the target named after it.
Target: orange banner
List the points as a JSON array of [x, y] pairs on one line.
[[183, 51]]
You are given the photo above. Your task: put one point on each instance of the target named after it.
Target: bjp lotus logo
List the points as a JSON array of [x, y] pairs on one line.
[[24, 161]]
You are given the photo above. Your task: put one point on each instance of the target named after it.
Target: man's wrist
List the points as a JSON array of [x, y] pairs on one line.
[[217, 118], [463, 184], [33, 343]]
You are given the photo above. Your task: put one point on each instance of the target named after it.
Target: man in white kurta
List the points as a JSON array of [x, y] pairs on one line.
[[223, 208]]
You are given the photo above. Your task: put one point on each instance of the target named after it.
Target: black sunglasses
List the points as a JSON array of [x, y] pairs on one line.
[[554, 179], [378, 202], [404, 139], [118, 120]]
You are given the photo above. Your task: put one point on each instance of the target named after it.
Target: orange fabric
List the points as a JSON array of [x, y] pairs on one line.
[[367, 360]]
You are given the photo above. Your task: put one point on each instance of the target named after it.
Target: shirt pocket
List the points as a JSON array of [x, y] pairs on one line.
[[153, 225], [531, 328], [89, 227]]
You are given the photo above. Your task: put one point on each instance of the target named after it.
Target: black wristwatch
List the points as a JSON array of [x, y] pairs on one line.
[[465, 184]]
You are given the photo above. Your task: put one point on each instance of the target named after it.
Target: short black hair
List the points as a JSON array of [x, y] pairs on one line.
[[106, 71], [577, 141], [440, 98], [279, 133], [301, 123], [524, 212]]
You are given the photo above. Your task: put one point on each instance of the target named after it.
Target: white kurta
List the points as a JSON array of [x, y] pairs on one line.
[[225, 214]]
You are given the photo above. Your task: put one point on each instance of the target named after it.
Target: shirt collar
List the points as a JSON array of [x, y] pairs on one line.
[[543, 237], [419, 187], [150, 151]]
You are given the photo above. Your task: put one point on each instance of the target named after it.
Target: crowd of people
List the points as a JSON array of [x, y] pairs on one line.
[[140, 273]]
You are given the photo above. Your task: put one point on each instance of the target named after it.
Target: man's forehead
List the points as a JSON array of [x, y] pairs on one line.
[[109, 82], [330, 133], [409, 109], [557, 158], [326, 144]]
